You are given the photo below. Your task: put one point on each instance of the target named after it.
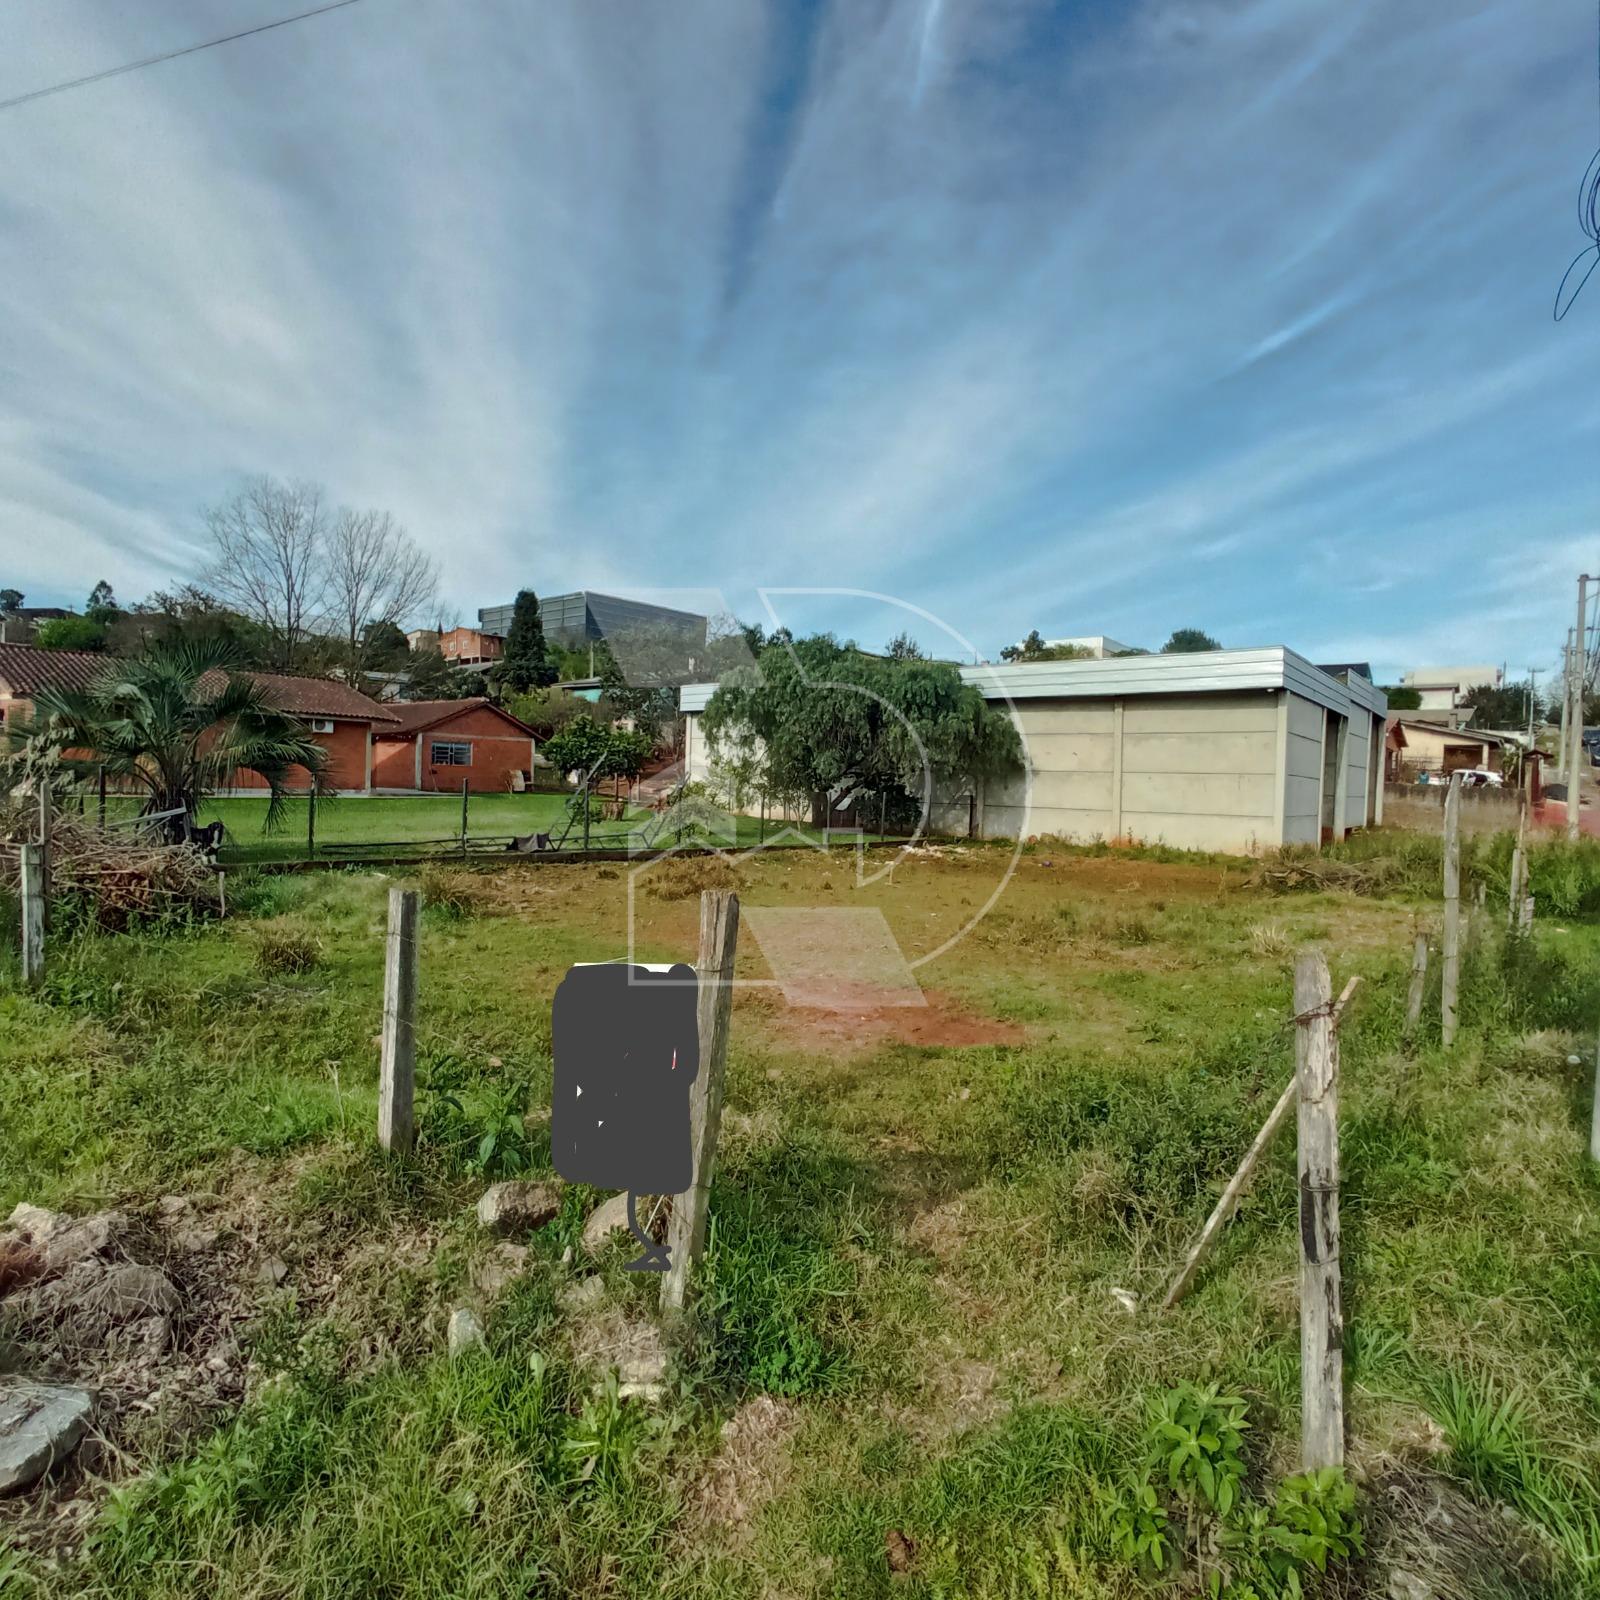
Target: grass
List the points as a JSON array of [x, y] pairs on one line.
[[913, 1247]]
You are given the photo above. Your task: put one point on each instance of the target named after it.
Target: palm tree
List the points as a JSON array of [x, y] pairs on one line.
[[177, 721]]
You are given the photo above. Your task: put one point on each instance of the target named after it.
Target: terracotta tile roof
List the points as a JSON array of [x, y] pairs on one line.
[[412, 716], [25, 669], [321, 697]]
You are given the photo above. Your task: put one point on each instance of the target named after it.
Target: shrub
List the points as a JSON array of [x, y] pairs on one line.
[[454, 893]]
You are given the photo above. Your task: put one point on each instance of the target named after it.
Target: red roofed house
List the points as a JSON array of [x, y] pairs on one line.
[[340, 718], [436, 744]]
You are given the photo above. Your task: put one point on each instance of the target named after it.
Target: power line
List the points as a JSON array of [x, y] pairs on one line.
[[169, 55]]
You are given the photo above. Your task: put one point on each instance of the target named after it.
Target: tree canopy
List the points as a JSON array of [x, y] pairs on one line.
[[1186, 641], [830, 719], [1034, 648], [70, 633]]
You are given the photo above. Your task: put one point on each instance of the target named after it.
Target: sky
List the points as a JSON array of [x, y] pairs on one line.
[[1091, 318]]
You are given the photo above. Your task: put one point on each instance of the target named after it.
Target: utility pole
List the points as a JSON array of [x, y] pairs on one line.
[[1566, 704], [1575, 716], [1533, 700]]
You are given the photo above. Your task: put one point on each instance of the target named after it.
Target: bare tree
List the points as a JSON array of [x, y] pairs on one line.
[[268, 560], [376, 573]]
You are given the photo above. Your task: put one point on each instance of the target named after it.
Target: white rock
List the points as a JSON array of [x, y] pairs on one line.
[[40, 1424], [505, 1263], [464, 1333], [518, 1205], [1127, 1299], [603, 1221]]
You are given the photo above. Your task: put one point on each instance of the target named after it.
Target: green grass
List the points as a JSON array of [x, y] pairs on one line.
[[913, 1247]]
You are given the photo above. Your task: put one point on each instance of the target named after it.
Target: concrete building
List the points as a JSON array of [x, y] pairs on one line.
[[1443, 690], [577, 619], [1231, 750]]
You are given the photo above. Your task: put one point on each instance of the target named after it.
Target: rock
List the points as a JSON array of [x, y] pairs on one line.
[[1127, 1299], [585, 1292], [603, 1221], [272, 1271], [518, 1205], [503, 1265], [196, 1240], [464, 1333], [174, 1205], [40, 1424], [130, 1292], [67, 1240], [1405, 1585], [642, 1375]]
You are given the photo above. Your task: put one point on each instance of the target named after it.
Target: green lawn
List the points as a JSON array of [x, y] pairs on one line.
[[422, 819], [913, 1372]]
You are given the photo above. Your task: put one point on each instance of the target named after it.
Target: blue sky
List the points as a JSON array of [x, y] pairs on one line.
[[1091, 318]]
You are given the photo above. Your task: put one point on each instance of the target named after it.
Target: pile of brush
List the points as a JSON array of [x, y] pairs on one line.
[[118, 877]]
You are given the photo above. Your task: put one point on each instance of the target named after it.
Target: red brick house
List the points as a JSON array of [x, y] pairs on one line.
[[434, 745], [340, 719]]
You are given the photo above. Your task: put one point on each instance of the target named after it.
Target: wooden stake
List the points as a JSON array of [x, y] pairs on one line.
[[463, 816], [1514, 898], [397, 1072], [311, 822], [222, 892], [1321, 1318], [719, 939], [46, 818], [1419, 978], [1240, 1181], [1527, 913], [32, 915], [1452, 913]]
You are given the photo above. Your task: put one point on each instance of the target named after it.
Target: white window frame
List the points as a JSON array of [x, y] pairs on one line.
[[455, 747]]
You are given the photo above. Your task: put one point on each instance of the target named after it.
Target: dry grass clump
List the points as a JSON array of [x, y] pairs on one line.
[[286, 951], [456, 893], [684, 876], [1269, 941]]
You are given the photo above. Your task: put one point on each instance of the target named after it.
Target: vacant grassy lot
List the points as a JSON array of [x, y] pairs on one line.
[[925, 1347]]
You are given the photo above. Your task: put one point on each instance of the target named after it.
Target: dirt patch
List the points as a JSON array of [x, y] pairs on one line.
[[878, 1016], [751, 1468]]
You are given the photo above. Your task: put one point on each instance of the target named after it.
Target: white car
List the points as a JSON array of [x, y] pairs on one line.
[[1481, 778]]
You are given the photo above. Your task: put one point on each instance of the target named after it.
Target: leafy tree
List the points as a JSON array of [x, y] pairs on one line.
[[177, 722], [578, 745], [193, 615], [383, 648], [546, 711], [1499, 708], [904, 648], [429, 676], [1402, 698], [70, 633], [11, 601], [833, 720], [525, 661], [102, 605], [640, 674], [1187, 641], [1033, 648]]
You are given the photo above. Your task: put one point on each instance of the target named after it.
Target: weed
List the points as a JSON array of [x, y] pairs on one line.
[[286, 951], [454, 893]]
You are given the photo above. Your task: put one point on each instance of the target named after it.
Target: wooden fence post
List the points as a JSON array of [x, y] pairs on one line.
[[1514, 898], [46, 822], [463, 816], [311, 822], [1321, 1318], [397, 1072], [719, 940], [102, 787], [1419, 978], [1451, 979], [32, 915]]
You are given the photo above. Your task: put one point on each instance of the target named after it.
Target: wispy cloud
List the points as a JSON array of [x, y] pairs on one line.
[[1095, 319]]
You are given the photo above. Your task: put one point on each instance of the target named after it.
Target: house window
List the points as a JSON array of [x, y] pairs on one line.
[[450, 753]]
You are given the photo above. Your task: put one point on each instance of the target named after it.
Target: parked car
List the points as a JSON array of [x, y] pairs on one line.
[[1481, 778]]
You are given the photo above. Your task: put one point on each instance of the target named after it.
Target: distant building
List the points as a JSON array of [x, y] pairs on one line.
[[573, 620], [470, 647], [1444, 690], [19, 626]]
